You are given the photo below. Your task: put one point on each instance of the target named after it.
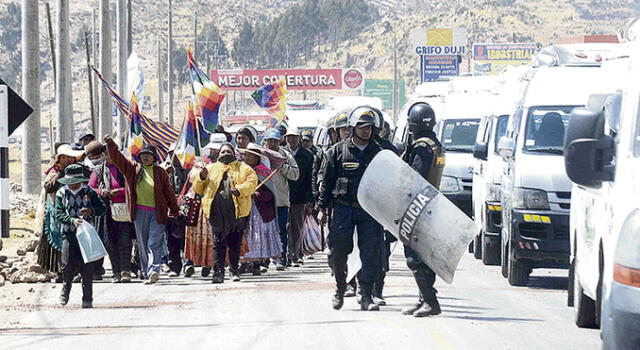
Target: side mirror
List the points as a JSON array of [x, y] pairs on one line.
[[588, 161], [506, 147], [584, 123], [480, 150]]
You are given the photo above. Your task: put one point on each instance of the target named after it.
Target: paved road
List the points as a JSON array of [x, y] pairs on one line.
[[291, 310]]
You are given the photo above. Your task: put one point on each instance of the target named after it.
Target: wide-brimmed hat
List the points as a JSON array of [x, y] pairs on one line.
[[73, 174], [216, 141], [150, 149], [67, 150], [292, 131], [94, 146], [254, 149]]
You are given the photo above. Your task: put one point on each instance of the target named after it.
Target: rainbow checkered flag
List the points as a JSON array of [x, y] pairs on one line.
[[273, 98], [188, 147], [136, 139], [208, 96]]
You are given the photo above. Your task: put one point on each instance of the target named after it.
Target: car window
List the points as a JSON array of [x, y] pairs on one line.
[[501, 130], [459, 135], [545, 129]]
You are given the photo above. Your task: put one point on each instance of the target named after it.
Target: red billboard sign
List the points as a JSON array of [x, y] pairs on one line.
[[297, 79]]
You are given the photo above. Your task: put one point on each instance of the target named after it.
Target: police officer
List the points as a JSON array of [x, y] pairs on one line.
[[341, 173], [425, 155]]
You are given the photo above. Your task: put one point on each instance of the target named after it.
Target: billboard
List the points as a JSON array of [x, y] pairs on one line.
[[434, 67], [297, 79], [491, 59], [383, 89], [440, 41]]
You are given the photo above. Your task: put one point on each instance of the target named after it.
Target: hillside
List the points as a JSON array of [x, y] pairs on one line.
[[541, 21]]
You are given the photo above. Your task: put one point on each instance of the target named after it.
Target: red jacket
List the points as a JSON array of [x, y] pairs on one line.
[[132, 170]]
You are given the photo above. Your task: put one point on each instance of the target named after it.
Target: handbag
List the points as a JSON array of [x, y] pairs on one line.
[[91, 246], [189, 202], [119, 211], [311, 237]]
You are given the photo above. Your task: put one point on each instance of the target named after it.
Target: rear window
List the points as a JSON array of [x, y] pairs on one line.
[[459, 135]]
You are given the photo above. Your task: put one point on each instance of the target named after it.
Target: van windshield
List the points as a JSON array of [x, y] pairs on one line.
[[545, 129], [459, 135]]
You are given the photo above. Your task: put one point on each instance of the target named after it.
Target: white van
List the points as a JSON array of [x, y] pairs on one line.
[[487, 171], [535, 189], [456, 128], [602, 158]]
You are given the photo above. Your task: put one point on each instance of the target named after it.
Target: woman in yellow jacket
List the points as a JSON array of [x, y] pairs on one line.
[[227, 186]]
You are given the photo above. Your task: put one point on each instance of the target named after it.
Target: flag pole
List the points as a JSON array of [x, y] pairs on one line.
[[198, 133]]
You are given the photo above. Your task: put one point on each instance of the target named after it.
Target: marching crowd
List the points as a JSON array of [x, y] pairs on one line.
[[243, 206]]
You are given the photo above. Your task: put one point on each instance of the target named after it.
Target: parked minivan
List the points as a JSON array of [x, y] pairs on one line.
[[535, 189], [602, 158]]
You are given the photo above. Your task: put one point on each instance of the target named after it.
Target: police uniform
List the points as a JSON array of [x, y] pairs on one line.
[[341, 172], [426, 156]]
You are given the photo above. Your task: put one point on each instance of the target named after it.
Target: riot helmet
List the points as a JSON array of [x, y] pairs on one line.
[[421, 118], [341, 119], [365, 115]]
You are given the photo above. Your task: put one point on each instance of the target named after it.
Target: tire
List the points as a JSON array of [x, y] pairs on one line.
[[477, 246], [504, 265], [490, 253], [518, 270], [571, 282], [584, 308]]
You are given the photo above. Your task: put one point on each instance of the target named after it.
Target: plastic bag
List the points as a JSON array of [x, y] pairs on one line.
[[90, 243], [311, 236]]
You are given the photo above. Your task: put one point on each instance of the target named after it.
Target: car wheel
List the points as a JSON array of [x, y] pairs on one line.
[[571, 282], [518, 270], [504, 265], [490, 253], [477, 246], [584, 308]]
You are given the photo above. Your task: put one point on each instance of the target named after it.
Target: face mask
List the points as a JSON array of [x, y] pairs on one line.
[[98, 161], [226, 159]]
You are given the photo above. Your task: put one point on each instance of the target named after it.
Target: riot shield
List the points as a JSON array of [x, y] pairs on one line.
[[405, 204]]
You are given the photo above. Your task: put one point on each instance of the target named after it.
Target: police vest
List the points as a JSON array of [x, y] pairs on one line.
[[434, 175]]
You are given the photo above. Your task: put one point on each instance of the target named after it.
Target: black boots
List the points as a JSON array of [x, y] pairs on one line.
[[429, 308], [366, 303], [338, 300], [218, 276]]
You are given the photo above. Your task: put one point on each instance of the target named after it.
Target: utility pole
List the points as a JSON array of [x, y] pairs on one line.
[[106, 109], [94, 79], [51, 42], [160, 81], [121, 28], [395, 78], [64, 105], [129, 30], [31, 147], [195, 36], [94, 121], [170, 68]]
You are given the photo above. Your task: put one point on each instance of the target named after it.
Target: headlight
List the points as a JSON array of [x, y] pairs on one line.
[[493, 193], [524, 198], [450, 184]]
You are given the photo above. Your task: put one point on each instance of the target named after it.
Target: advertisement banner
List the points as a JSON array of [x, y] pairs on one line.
[[434, 67], [491, 59], [383, 88], [440, 41], [297, 79]]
